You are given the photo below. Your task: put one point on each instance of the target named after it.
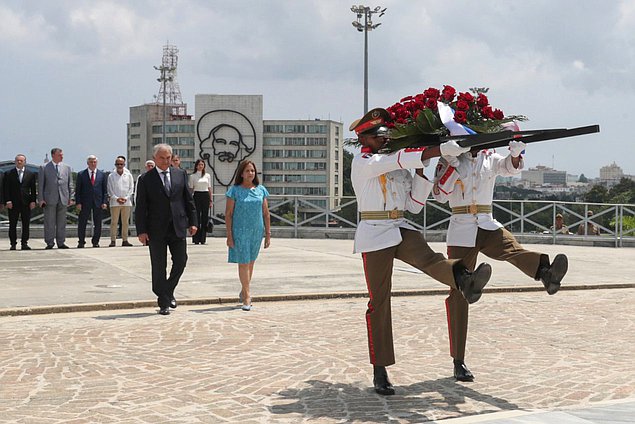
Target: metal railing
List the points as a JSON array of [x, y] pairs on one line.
[[615, 222]]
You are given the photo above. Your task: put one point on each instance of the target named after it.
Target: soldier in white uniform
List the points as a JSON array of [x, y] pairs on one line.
[[385, 187], [467, 182]]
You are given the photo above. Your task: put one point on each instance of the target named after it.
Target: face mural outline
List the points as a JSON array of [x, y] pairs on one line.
[[226, 138]]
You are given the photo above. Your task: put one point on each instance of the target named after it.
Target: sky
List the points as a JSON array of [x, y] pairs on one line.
[[70, 69]]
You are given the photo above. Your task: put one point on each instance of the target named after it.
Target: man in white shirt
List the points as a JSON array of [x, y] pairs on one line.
[[385, 187], [120, 190], [467, 183]]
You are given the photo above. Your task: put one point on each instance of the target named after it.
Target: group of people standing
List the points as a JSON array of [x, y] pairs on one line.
[[386, 185], [169, 203]]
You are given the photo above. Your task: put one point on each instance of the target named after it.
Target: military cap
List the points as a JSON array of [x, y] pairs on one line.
[[372, 120]]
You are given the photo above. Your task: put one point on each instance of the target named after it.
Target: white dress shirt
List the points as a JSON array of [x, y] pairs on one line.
[[120, 186], [471, 183], [402, 192]]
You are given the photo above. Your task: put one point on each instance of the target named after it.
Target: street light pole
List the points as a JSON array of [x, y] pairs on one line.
[[368, 25]]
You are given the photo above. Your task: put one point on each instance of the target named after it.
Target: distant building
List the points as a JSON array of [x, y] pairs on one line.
[[611, 174], [145, 130], [543, 175], [293, 157]]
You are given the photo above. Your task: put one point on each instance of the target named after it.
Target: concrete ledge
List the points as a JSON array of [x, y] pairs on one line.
[[109, 306]]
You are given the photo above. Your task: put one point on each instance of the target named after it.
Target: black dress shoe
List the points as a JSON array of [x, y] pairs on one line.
[[63, 246], [12, 247], [81, 245], [471, 284], [552, 275], [49, 247], [164, 311], [461, 372], [25, 247], [173, 303], [383, 386], [95, 244]]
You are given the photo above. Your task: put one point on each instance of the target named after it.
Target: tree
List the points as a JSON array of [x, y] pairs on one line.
[[622, 192], [583, 179], [597, 194]]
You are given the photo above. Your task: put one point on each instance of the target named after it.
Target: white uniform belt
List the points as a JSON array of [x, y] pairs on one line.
[[472, 209], [378, 215]]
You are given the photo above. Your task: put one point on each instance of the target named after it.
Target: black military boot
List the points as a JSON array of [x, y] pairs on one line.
[[461, 372], [383, 386], [471, 284], [551, 275]]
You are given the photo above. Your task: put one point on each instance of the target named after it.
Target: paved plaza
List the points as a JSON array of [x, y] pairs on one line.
[[300, 355]]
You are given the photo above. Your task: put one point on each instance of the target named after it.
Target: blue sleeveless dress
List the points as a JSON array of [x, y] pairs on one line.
[[248, 226]]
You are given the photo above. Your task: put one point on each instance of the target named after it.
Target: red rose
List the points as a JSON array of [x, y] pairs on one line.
[[431, 93], [448, 93], [467, 97], [405, 99], [460, 117], [498, 114], [462, 105], [431, 104], [481, 100], [487, 112]]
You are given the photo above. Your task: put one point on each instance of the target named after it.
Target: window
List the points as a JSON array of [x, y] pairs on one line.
[[274, 128], [294, 128], [157, 129], [271, 153], [275, 190], [272, 166], [316, 129], [316, 153], [132, 160], [273, 141], [314, 178], [316, 141], [186, 128], [135, 148], [294, 154], [172, 141], [186, 141], [135, 136], [294, 166], [293, 178], [157, 140], [273, 178], [135, 124], [294, 141], [315, 166]]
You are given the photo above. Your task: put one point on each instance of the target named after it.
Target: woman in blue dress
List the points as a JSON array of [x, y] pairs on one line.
[[247, 220]]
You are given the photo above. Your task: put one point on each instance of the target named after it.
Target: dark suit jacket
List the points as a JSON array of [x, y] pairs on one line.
[[19, 194], [88, 195], [155, 209]]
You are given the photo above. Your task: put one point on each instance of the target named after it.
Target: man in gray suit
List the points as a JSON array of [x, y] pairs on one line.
[[55, 195]]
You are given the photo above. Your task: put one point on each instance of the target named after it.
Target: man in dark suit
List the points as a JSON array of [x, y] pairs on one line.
[[18, 187], [91, 193], [165, 209]]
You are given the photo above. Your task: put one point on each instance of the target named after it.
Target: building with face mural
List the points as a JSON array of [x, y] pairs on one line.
[[293, 157]]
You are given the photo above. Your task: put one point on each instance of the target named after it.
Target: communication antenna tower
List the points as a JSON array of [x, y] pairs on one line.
[[169, 91]]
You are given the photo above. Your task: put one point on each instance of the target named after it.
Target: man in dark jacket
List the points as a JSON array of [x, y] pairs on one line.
[[91, 193], [165, 209], [18, 187]]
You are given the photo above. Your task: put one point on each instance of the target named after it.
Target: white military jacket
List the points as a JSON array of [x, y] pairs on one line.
[[384, 182], [471, 182]]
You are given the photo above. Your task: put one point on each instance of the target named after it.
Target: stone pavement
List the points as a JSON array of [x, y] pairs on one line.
[[120, 277], [537, 358]]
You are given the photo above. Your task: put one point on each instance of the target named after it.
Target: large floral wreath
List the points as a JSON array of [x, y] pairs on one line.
[[421, 119]]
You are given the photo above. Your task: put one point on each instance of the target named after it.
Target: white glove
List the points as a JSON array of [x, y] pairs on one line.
[[516, 148], [452, 148], [452, 160]]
